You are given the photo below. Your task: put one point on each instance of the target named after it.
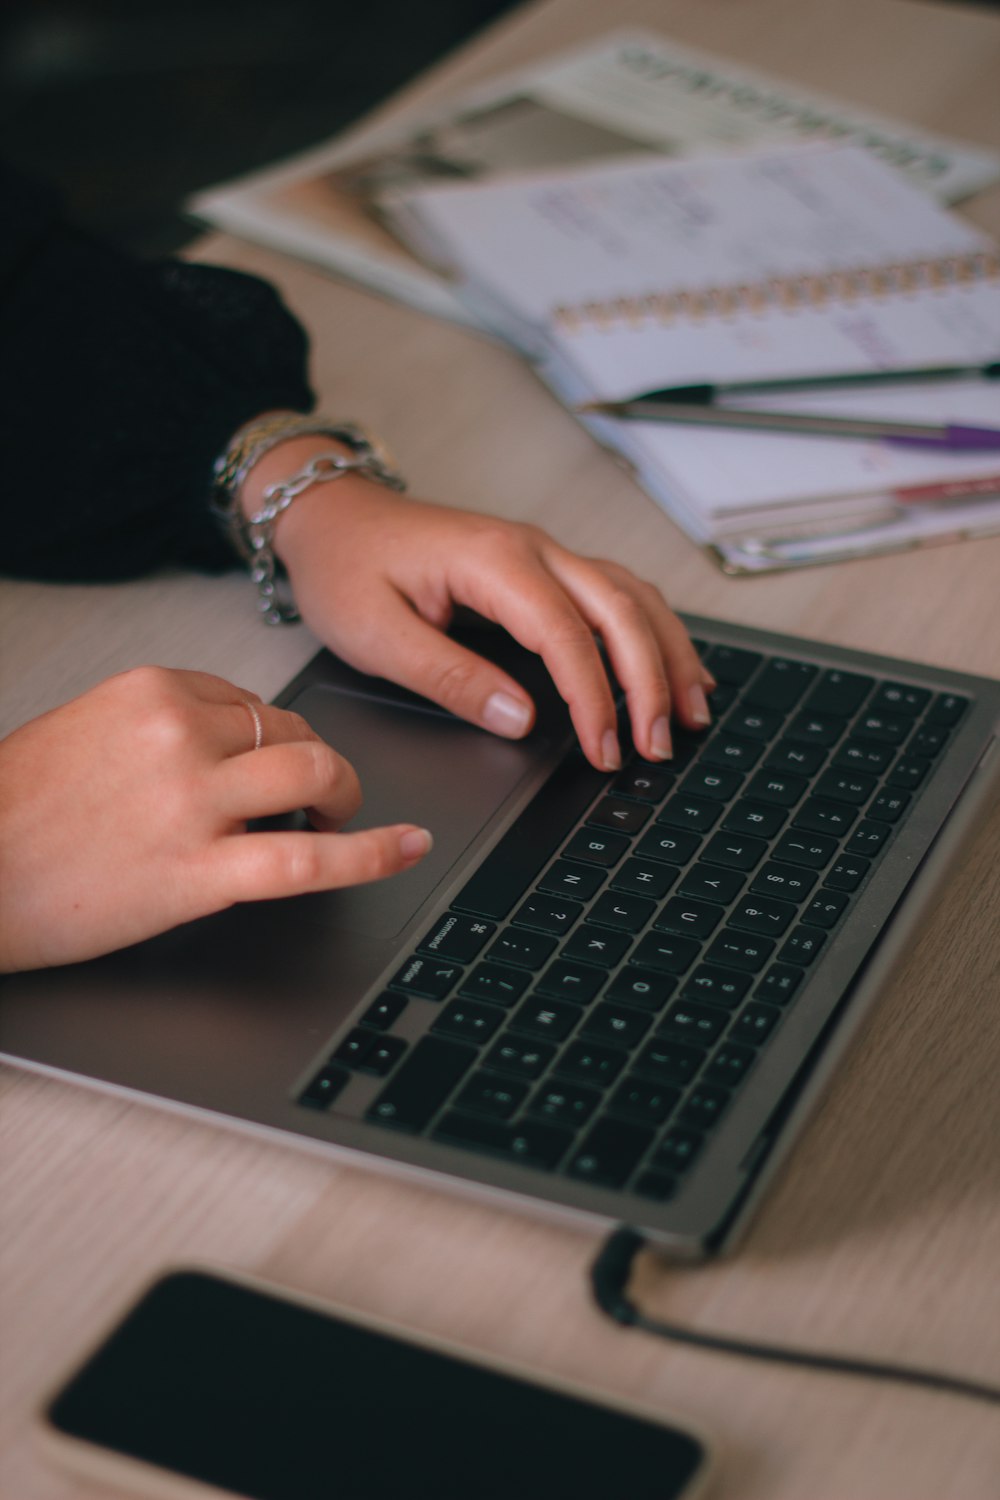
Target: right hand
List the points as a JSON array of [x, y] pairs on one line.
[[125, 811]]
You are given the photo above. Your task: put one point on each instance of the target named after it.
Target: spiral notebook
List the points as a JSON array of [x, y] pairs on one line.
[[630, 276]]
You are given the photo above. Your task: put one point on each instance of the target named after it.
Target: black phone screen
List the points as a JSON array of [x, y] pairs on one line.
[[276, 1401]]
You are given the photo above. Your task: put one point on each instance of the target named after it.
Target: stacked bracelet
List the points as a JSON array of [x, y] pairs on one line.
[[253, 538]]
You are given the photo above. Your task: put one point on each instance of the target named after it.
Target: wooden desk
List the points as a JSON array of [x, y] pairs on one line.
[[883, 1236]]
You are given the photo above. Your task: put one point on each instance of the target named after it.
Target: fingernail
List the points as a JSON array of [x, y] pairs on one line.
[[707, 678], [611, 753], [699, 705], [507, 715], [414, 844], [660, 742]]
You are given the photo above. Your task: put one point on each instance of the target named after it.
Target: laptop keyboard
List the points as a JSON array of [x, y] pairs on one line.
[[608, 978]]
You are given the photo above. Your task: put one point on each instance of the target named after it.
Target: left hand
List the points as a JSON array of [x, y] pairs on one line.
[[377, 576]]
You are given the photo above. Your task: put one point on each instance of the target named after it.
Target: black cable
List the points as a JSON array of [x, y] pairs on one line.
[[609, 1278]]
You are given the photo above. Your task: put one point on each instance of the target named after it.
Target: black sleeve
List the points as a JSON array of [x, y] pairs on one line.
[[122, 382]]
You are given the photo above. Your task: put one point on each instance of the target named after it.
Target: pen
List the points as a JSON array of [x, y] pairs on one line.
[[909, 434], [931, 374]]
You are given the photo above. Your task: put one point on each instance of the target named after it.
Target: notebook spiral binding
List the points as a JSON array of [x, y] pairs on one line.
[[789, 294]]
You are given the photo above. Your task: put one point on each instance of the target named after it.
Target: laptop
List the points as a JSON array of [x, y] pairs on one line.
[[609, 998]]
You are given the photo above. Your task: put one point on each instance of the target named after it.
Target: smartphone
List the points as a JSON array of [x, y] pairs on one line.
[[218, 1384]]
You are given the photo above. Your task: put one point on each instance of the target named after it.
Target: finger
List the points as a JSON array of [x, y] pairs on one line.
[[264, 866], [418, 656], [237, 726], [283, 778], [690, 680]]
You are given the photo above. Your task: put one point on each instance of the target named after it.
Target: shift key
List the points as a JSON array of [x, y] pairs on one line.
[[422, 1084]]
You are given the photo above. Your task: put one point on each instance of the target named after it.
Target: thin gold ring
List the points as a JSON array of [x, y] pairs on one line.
[[258, 723]]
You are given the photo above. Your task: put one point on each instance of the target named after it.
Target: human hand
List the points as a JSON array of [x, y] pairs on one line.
[[124, 813], [377, 576]]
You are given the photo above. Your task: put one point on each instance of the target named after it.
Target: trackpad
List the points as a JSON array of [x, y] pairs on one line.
[[416, 765]]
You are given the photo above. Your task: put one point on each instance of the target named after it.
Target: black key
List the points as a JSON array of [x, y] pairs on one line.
[[840, 693], [623, 912], [856, 755], [550, 1019], [687, 745], [884, 729], [899, 698], [732, 664], [497, 983], [713, 782], [678, 1149], [325, 1087], [720, 986], [591, 1063], [569, 1104], [868, 838], [489, 1094], [513, 863], [565, 879], [730, 1064], [947, 709], [755, 1023], [732, 753], [848, 873], [641, 877], [667, 955], [595, 945], [753, 723], [701, 1024], [383, 1011], [430, 977], [457, 937], [846, 786], [672, 846], [693, 918], [755, 818], [781, 684], [525, 950], [926, 741], [802, 946], [638, 1099], [780, 787], [740, 951], [531, 1143], [694, 814], [610, 1152], [355, 1047], [802, 760], [422, 1083], [814, 850], [763, 914], [641, 987], [908, 772], [642, 782], [888, 807], [547, 914], [817, 815], [789, 882], [656, 1185], [825, 909], [669, 1062], [734, 852], [513, 1054], [469, 1021], [779, 983], [709, 883], [722, 698], [821, 730], [383, 1056], [619, 1025], [704, 1105], [615, 812], [569, 981], [595, 847]]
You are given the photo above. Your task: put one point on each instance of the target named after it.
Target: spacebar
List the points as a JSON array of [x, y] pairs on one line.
[[513, 863]]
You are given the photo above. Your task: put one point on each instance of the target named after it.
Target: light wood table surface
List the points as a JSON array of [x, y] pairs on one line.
[[883, 1235]]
